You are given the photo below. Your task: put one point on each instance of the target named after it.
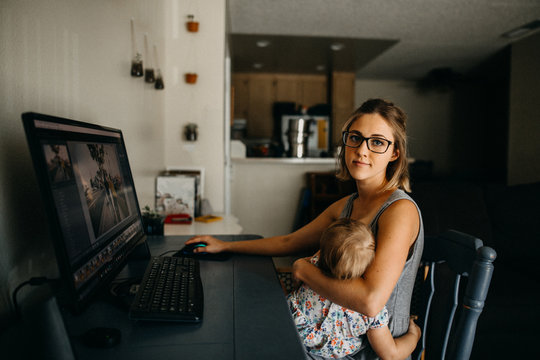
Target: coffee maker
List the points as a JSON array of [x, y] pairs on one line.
[[298, 135], [305, 135], [298, 139]]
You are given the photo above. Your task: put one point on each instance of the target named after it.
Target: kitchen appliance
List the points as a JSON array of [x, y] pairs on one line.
[[297, 136], [309, 137]]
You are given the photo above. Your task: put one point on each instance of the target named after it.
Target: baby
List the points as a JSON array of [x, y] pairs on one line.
[[331, 331]]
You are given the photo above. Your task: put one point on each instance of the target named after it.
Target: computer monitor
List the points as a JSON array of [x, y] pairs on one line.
[[86, 183]]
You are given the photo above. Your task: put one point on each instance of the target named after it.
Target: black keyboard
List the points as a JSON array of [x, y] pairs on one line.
[[171, 290]]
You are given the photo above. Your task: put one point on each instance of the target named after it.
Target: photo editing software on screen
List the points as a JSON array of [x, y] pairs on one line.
[[86, 180]]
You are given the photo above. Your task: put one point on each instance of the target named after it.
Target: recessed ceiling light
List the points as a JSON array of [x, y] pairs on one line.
[[257, 65], [337, 46], [262, 43], [522, 30]]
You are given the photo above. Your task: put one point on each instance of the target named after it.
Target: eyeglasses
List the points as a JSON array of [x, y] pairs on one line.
[[374, 144]]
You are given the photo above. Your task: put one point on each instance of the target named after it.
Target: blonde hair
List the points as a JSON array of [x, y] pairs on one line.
[[347, 249], [397, 171]]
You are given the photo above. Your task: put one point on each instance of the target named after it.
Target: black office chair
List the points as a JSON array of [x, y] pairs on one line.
[[448, 308]]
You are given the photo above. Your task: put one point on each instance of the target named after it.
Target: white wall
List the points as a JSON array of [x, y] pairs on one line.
[[71, 59], [202, 103]]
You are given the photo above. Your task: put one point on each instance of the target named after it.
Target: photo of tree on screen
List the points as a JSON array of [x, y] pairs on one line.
[[58, 163], [103, 185]]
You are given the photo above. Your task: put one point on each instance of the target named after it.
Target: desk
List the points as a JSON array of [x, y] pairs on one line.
[[245, 316], [226, 226]]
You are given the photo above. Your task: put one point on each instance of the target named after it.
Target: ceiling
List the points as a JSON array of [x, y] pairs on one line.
[[382, 39]]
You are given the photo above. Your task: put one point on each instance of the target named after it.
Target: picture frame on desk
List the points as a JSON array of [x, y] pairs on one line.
[[178, 193], [199, 173], [189, 170]]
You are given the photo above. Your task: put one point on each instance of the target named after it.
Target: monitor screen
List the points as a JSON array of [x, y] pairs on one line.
[[86, 182]]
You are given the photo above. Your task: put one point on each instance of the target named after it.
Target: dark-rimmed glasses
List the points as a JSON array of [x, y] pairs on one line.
[[354, 139]]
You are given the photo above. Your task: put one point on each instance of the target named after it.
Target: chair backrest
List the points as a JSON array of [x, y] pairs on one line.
[[448, 308]]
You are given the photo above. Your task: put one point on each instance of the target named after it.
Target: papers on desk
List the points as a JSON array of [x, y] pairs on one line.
[[208, 218]]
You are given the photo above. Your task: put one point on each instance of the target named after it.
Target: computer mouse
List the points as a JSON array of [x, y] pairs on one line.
[[102, 337], [188, 249]]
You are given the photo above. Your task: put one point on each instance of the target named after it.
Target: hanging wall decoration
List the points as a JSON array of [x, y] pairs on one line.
[[136, 58], [191, 78], [159, 85], [148, 70], [191, 132], [192, 25]]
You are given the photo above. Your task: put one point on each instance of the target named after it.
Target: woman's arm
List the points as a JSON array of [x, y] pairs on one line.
[[387, 347], [398, 227], [305, 238]]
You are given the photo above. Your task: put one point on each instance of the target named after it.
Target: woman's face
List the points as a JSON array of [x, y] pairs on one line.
[[362, 163]]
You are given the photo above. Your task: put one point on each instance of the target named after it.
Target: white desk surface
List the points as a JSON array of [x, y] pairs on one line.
[[226, 226]]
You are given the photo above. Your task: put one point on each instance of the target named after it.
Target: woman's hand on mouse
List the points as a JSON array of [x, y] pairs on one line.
[[213, 245]]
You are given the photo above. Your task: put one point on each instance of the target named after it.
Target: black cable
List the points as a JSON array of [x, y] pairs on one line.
[[34, 282], [166, 252], [125, 283]]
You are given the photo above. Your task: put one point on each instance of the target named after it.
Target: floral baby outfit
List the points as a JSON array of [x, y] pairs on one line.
[[327, 329]]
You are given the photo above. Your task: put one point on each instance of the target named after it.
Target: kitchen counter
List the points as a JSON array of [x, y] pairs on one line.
[[266, 193], [285, 160]]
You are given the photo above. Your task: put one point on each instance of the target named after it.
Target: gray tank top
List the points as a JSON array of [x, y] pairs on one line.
[[399, 302]]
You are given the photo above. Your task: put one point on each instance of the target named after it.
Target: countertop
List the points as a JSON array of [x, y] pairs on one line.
[[285, 160]]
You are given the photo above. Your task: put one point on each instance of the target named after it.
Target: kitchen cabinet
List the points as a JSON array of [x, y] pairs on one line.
[[313, 91], [261, 96], [240, 85], [255, 94], [287, 88], [342, 101]]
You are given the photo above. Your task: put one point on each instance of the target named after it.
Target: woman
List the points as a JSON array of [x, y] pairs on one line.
[[374, 154]]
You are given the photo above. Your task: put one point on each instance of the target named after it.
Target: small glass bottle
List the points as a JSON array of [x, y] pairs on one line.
[[159, 79], [159, 85], [149, 75], [149, 70], [137, 66], [191, 132]]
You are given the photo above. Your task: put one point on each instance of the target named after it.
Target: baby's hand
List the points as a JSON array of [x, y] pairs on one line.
[[297, 266], [413, 328]]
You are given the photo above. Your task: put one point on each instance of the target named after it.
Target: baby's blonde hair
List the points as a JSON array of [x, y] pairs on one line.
[[347, 249]]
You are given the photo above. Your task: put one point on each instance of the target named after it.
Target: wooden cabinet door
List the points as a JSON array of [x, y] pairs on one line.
[[287, 88], [342, 102], [313, 90], [260, 123], [240, 83]]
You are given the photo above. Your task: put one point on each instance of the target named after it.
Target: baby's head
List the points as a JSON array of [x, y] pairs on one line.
[[347, 248]]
